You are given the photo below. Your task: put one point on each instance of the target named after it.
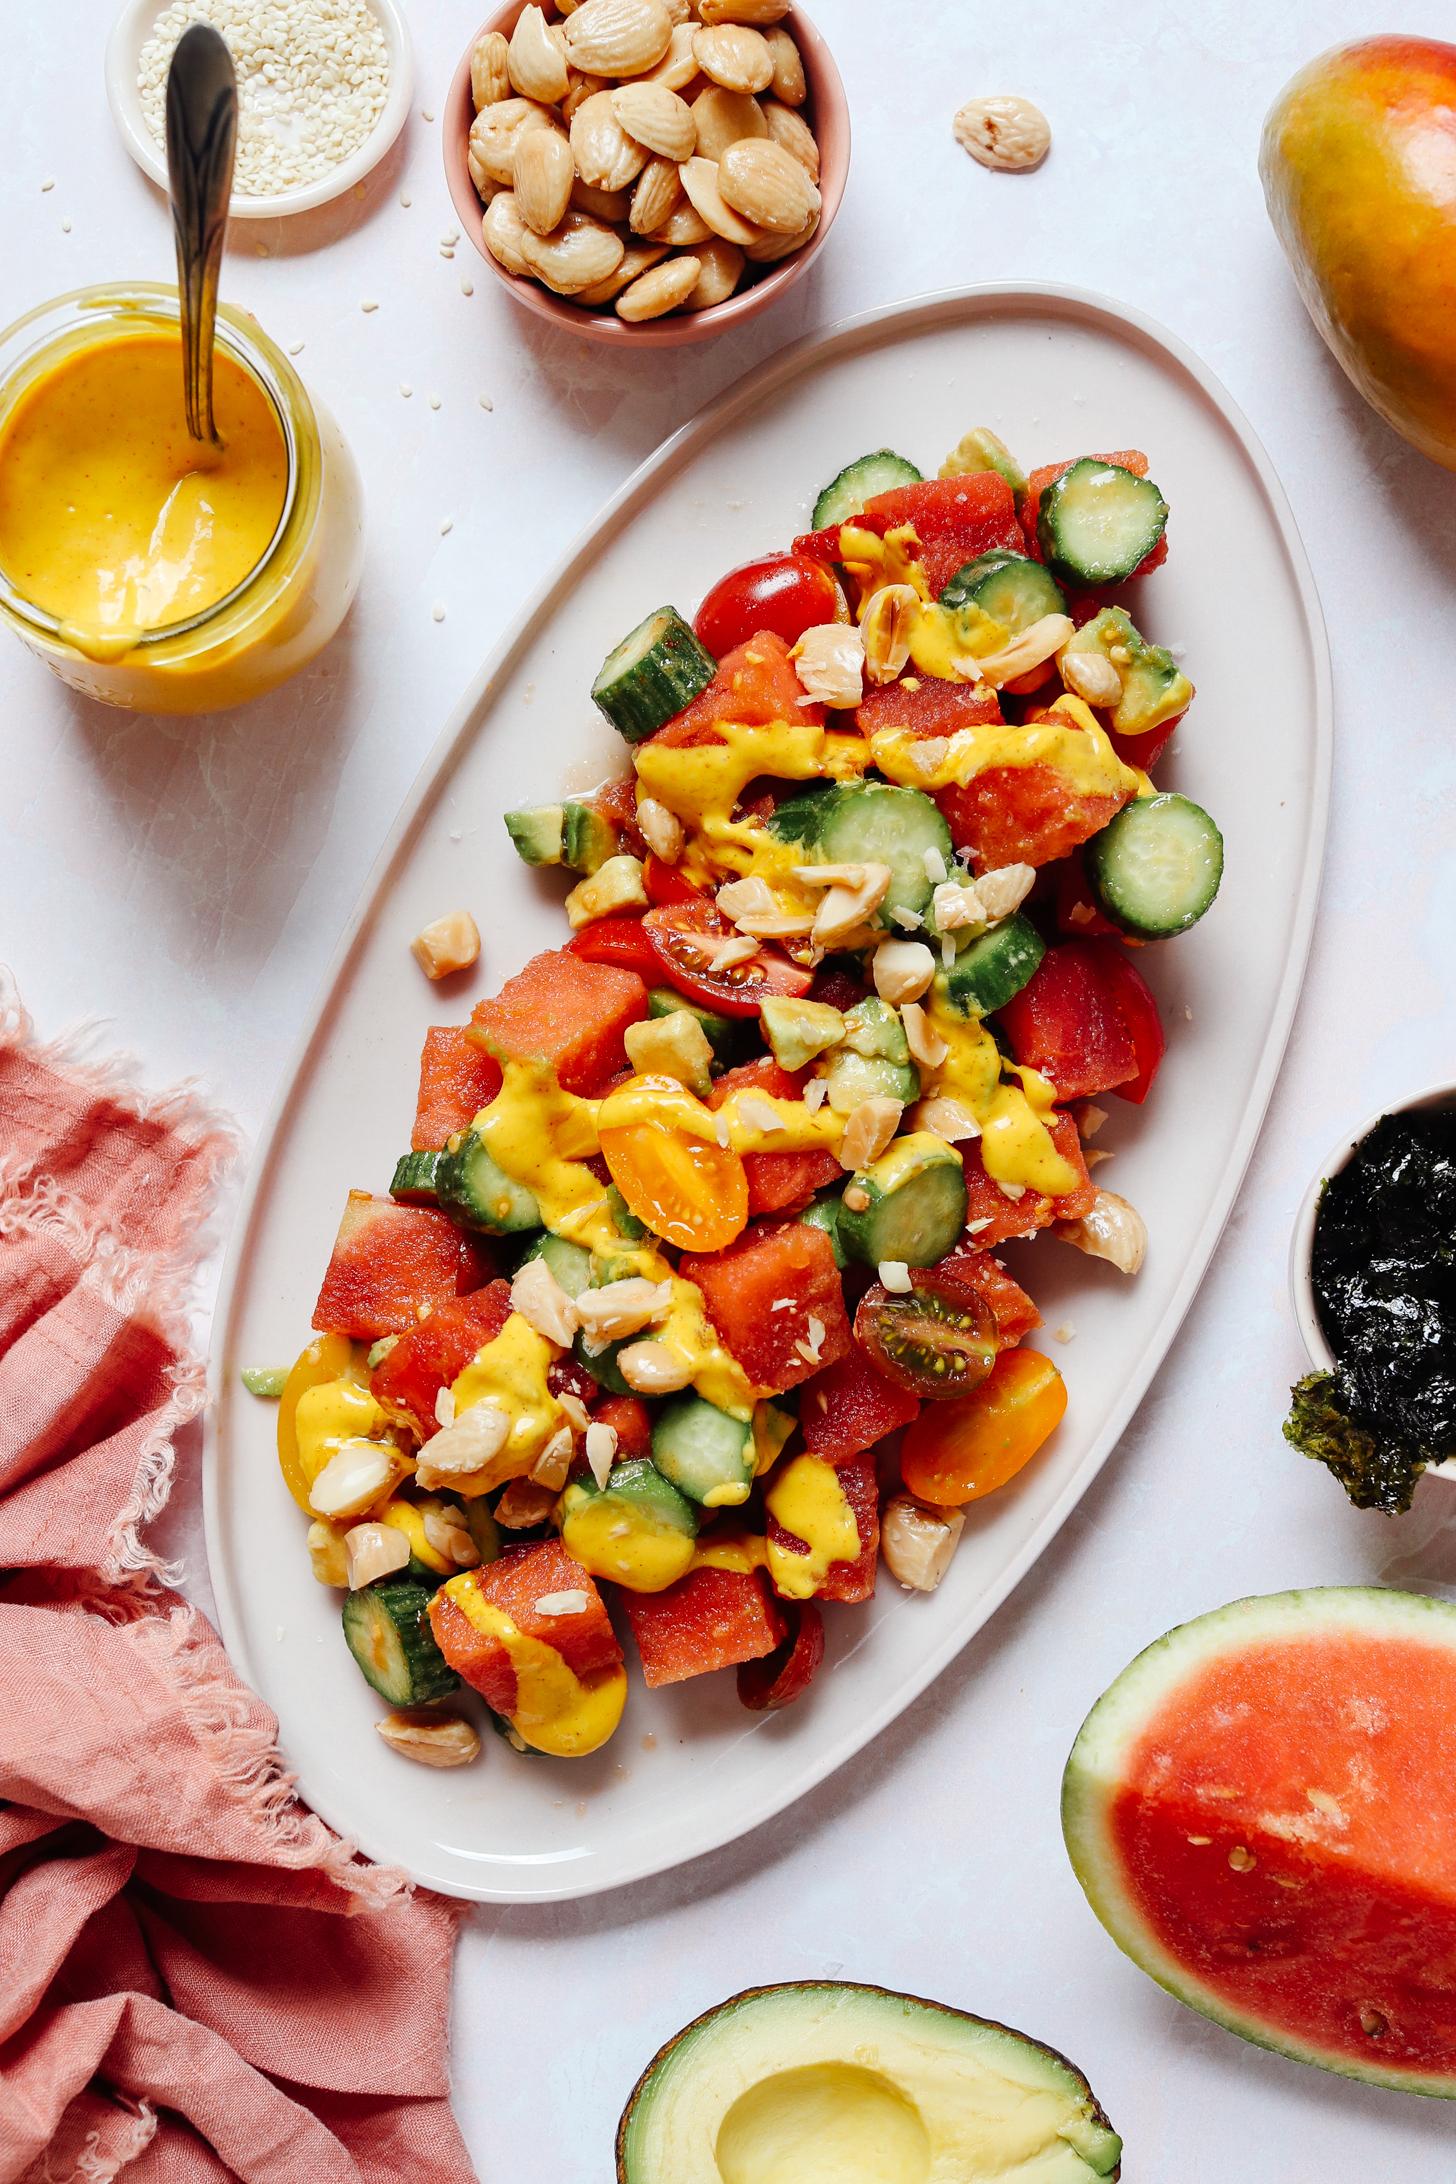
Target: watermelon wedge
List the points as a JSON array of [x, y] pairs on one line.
[[1262, 1811]]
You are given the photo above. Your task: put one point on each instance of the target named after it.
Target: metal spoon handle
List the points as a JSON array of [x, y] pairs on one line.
[[202, 129]]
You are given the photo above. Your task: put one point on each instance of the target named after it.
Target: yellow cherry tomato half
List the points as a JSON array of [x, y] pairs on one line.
[[691, 1191], [958, 1452], [328, 1357]]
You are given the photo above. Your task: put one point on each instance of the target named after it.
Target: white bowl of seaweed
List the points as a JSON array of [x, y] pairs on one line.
[[1373, 1278]]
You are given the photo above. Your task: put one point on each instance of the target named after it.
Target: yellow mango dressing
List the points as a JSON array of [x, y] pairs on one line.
[[145, 569], [112, 518]]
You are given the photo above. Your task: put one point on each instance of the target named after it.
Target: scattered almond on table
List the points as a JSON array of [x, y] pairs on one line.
[[1007, 133], [644, 155]]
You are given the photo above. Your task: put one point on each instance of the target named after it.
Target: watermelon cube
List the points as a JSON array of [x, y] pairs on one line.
[[708, 1619], [754, 687], [850, 1407], [777, 1182], [521, 1577], [434, 1354], [776, 1299], [457, 1079], [387, 1262], [566, 1012], [853, 1580]]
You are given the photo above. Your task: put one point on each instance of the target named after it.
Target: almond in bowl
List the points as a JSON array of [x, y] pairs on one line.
[[647, 170]]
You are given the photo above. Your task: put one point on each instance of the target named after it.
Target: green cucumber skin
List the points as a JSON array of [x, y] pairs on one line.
[[992, 969], [571, 1264], [478, 1194], [700, 1449], [1059, 518], [640, 1485], [824, 1214], [871, 822], [845, 495], [416, 1179], [420, 1671], [640, 691], [1012, 588], [1147, 907], [725, 1034], [918, 1223]]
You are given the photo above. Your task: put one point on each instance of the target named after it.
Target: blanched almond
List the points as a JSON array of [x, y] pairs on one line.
[[788, 68], [918, 1542], [654, 116], [887, 625], [502, 229], [656, 196], [543, 1304], [490, 76], [678, 65], [372, 1551], [611, 207], [721, 118], [574, 256], [451, 944], [662, 290], [493, 133], [789, 129], [618, 37], [636, 259], [720, 270], [768, 186], [700, 180], [683, 229], [734, 56], [606, 157], [868, 1132], [432, 1740], [537, 58], [743, 11], [542, 177], [770, 247], [581, 89]]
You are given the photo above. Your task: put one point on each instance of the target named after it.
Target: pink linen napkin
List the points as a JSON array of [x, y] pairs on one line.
[[197, 1979]]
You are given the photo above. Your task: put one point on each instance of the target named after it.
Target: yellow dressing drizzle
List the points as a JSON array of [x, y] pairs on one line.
[[557, 1711], [329, 1414], [620, 1540], [511, 1372], [807, 1499], [1016, 1145], [1073, 742], [742, 1552]]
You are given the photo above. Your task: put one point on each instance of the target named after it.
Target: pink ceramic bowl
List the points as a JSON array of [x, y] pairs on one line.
[[828, 111]]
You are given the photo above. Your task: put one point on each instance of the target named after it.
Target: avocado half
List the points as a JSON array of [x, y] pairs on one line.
[[826, 2082]]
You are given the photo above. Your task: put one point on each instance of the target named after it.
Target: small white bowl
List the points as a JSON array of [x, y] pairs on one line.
[[123, 53], [1301, 1246]]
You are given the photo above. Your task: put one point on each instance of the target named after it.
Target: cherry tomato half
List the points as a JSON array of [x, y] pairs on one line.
[[680, 937], [785, 1674], [664, 883], [785, 593], [692, 1192], [618, 940], [957, 1452], [937, 1339]]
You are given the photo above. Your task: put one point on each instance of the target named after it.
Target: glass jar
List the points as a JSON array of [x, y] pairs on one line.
[[288, 606]]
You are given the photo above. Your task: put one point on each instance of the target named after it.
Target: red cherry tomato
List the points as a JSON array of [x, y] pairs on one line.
[[936, 1340], [664, 883], [618, 940], [785, 1674], [785, 593], [680, 936]]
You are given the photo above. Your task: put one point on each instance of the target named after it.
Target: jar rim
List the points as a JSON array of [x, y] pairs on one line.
[[240, 334]]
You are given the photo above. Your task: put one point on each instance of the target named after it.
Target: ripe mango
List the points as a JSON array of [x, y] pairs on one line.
[[1359, 170]]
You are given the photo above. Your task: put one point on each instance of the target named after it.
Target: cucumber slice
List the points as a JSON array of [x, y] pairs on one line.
[[637, 1530], [570, 1263], [703, 1452], [414, 1179], [1156, 867], [602, 1364], [1011, 588], [725, 1033], [914, 1204], [587, 839], [873, 1060], [1097, 522], [475, 1191], [537, 833], [871, 822], [996, 965], [983, 449], [387, 1630], [625, 1221], [824, 1214], [482, 1527], [652, 674], [859, 482]]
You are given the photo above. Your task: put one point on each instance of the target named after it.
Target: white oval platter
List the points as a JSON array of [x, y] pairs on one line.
[[1056, 372]]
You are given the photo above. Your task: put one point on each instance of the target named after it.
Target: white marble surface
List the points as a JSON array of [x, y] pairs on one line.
[[189, 882]]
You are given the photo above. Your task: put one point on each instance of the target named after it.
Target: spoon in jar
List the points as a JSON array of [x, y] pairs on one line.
[[202, 130]]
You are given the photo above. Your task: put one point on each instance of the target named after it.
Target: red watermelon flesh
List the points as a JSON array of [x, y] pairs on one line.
[[709, 1619], [1262, 1811], [456, 1081], [434, 1354], [388, 1262]]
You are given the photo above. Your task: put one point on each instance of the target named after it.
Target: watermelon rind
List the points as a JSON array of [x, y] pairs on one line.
[[1096, 1768]]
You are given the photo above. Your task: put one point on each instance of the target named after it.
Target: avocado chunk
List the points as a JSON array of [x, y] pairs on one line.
[[798, 1031], [537, 833], [829, 2083], [587, 839], [1154, 687], [726, 1034], [872, 1061]]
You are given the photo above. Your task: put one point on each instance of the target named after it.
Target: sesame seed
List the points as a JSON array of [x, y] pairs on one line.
[[437, 611], [426, 114], [486, 402], [434, 401], [447, 525], [65, 227], [313, 77], [295, 348], [48, 184], [405, 199], [467, 285], [369, 304], [406, 391]]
